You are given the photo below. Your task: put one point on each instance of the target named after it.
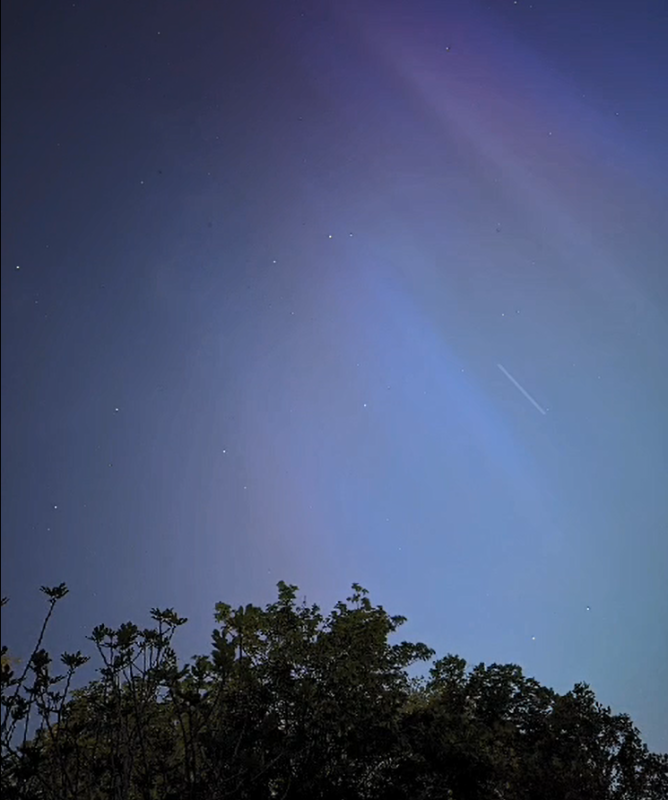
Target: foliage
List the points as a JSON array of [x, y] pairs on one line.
[[291, 704]]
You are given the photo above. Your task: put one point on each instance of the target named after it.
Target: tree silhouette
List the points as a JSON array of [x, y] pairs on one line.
[[293, 704]]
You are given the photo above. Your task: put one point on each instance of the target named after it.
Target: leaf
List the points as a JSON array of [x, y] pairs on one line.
[[55, 593]]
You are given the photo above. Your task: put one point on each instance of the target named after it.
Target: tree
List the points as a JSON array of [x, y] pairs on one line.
[[7, 660], [292, 704], [493, 733]]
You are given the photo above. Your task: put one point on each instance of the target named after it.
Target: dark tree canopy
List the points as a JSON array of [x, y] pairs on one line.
[[292, 704]]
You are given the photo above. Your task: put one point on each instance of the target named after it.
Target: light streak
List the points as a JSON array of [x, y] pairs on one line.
[[519, 386]]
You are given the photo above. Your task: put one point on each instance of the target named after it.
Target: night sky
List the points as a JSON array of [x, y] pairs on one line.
[[337, 290]]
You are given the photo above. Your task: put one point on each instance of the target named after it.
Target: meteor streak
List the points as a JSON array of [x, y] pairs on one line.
[[517, 385]]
